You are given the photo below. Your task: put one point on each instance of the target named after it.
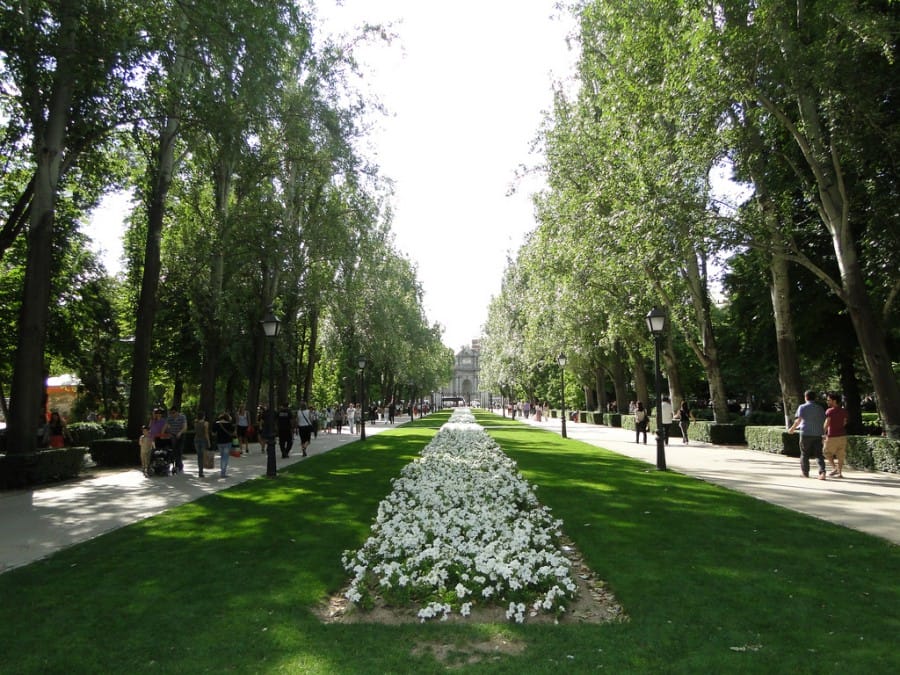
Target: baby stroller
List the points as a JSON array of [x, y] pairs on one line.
[[161, 461]]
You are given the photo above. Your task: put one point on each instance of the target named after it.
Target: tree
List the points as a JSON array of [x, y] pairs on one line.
[[66, 66]]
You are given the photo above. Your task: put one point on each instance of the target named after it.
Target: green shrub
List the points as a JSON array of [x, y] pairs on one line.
[[859, 453], [84, 433], [613, 419], [764, 418], [42, 466], [115, 452], [717, 434], [114, 428], [885, 454], [772, 439]]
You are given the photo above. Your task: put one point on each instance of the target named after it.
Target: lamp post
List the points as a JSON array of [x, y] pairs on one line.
[[656, 324], [271, 327], [361, 362], [561, 360]]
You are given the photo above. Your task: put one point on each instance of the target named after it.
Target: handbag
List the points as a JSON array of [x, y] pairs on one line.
[[208, 459], [235, 442]]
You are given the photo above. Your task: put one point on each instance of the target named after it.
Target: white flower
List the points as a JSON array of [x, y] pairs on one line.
[[461, 520]]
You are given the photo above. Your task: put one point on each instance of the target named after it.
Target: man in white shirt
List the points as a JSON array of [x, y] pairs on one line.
[[667, 414]]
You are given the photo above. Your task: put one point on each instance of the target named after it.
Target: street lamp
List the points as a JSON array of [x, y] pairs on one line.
[[561, 360], [271, 327], [656, 324], [361, 363]]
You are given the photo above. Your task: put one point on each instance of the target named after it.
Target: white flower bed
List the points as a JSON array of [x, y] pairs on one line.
[[462, 528]]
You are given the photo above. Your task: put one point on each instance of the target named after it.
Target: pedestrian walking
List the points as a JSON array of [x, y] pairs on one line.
[[641, 422], [305, 426], [225, 434], [836, 435], [201, 441], [177, 425], [684, 418], [810, 421]]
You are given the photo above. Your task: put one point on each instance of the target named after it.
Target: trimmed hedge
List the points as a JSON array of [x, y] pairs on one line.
[[885, 453], [717, 434], [863, 452], [85, 433], [613, 419], [116, 452], [772, 439], [42, 466]]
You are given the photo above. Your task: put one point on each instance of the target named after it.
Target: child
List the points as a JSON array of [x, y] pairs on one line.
[[146, 443]]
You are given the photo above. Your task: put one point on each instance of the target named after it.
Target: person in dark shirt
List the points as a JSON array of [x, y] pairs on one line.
[[285, 423]]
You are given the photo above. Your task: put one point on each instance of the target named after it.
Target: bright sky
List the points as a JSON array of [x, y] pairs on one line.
[[465, 85]]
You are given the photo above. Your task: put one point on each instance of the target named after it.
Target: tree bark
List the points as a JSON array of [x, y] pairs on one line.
[[641, 389], [600, 379], [707, 351], [617, 373], [788, 364], [49, 145], [311, 350]]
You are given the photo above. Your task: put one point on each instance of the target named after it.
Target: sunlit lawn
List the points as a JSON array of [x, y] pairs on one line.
[[712, 581]]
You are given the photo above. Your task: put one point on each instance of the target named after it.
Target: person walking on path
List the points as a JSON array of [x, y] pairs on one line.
[[667, 414], [836, 435], [242, 420], [351, 417], [146, 443], [684, 420], [304, 426], [641, 421], [225, 433], [201, 441], [285, 421], [177, 424], [810, 421]]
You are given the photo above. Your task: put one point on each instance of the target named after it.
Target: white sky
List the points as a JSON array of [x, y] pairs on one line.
[[465, 85]]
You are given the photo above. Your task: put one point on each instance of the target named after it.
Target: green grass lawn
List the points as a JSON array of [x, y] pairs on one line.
[[711, 580]]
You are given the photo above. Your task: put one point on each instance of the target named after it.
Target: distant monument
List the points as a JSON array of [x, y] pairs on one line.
[[464, 388]]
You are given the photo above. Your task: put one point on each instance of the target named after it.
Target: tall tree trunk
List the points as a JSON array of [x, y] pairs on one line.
[[299, 370], [600, 379], [138, 410], [49, 145], [311, 351], [707, 351], [617, 371], [670, 370], [162, 174], [789, 377], [788, 363], [850, 388], [212, 332], [641, 389]]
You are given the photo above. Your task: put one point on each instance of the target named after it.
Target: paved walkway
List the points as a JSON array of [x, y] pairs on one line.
[[868, 501], [36, 523]]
